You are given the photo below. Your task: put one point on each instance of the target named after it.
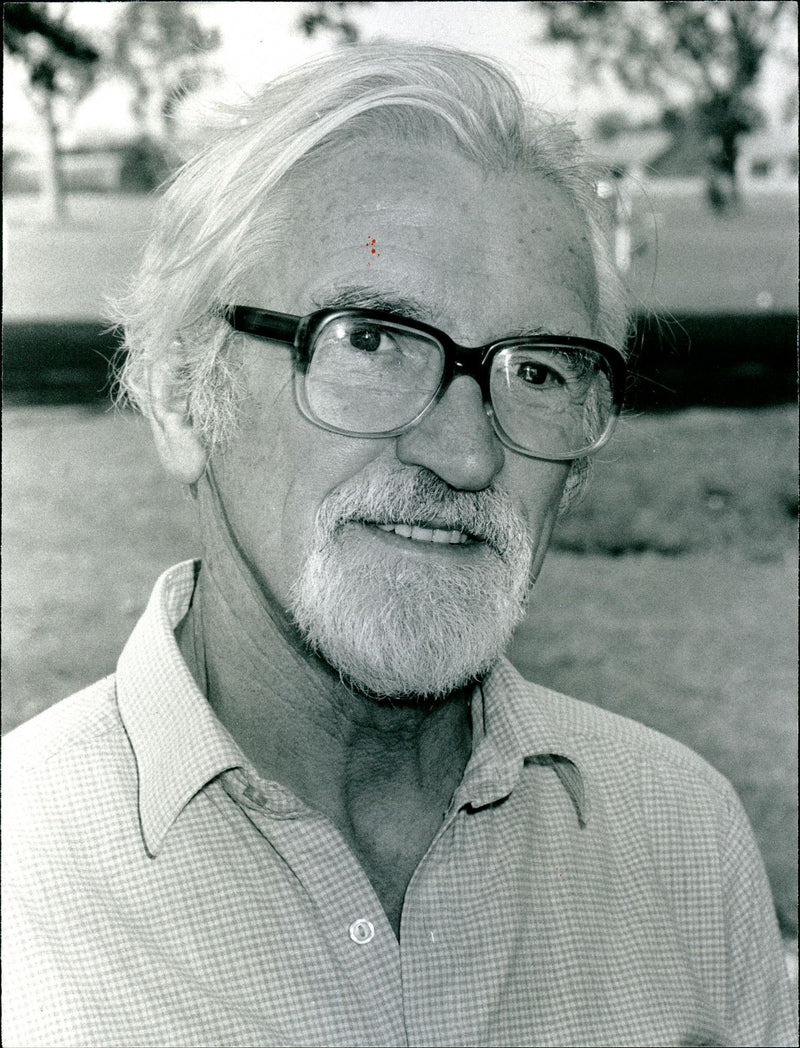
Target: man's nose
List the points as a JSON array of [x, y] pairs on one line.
[[456, 440]]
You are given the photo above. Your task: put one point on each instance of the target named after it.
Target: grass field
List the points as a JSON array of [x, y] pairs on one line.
[[688, 627]]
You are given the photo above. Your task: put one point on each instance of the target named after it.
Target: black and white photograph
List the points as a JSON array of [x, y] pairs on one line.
[[399, 524]]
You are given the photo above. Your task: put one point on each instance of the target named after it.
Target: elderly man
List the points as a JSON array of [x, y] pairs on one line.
[[377, 335]]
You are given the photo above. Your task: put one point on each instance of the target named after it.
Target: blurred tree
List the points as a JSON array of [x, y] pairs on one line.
[[331, 18], [161, 50], [61, 67], [710, 51]]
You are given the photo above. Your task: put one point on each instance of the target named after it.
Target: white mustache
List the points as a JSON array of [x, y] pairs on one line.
[[383, 494]]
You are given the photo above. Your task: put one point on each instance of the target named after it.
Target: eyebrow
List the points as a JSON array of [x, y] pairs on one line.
[[357, 296]]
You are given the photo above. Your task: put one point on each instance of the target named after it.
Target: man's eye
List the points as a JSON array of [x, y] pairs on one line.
[[366, 339], [538, 375]]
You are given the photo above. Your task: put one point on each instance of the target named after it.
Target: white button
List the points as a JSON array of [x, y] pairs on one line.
[[362, 931]]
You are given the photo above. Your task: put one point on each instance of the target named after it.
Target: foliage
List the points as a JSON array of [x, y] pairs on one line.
[[161, 49], [57, 58], [710, 53], [331, 18]]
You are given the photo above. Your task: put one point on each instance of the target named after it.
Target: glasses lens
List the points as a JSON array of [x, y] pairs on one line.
[[556, 403], [368, 376]]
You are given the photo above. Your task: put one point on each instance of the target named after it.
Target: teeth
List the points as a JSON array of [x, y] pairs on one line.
[[418, 534]]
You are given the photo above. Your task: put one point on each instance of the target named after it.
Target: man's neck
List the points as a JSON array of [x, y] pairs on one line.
[[294, 718]]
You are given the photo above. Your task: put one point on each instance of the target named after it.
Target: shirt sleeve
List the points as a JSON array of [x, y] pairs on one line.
[[760, 1003]]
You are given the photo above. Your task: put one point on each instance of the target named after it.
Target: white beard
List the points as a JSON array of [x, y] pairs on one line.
[[398, 626]]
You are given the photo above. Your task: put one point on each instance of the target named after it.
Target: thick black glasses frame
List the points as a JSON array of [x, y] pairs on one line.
[[474, 361]]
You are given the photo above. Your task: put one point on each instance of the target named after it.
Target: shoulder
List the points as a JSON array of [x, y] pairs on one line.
[[64, 730], [647, 795], [658, 808], [620, 756], [59, 766]]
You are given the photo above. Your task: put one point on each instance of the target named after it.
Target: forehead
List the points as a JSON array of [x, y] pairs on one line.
[[482, 254]]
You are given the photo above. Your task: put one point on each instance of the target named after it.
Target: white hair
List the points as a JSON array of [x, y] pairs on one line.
[[222, 210]]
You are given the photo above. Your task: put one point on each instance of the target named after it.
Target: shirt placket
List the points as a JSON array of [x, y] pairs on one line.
[[351, 917], [433, 979]]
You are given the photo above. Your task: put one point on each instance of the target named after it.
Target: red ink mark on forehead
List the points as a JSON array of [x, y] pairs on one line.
[[371, 241]]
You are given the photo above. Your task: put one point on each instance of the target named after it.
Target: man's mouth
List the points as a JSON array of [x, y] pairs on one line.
[[417, 533]]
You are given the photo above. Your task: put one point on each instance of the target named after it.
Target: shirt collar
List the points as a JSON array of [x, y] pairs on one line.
[[180, 745], [177, 740], [516, 722]]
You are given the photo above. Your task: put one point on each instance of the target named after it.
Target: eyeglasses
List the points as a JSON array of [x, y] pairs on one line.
[[368, 373]]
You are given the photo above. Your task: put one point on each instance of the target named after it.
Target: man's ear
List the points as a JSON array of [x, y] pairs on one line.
[[178, 443]]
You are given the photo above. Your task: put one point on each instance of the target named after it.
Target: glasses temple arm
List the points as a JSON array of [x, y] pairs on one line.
[[280, 326]]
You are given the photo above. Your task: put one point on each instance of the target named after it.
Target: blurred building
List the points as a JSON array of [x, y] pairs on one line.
[[769, 160]]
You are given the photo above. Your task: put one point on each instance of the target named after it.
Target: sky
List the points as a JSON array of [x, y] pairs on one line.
[[504, 31], [261, 40]]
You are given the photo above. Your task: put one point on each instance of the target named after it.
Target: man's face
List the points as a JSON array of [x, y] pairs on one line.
[[482, 258]]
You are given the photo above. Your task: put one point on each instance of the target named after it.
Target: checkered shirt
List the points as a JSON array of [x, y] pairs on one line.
[[593, 883]]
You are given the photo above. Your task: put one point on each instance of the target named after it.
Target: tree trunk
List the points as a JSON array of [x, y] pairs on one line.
[[51, 188]]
